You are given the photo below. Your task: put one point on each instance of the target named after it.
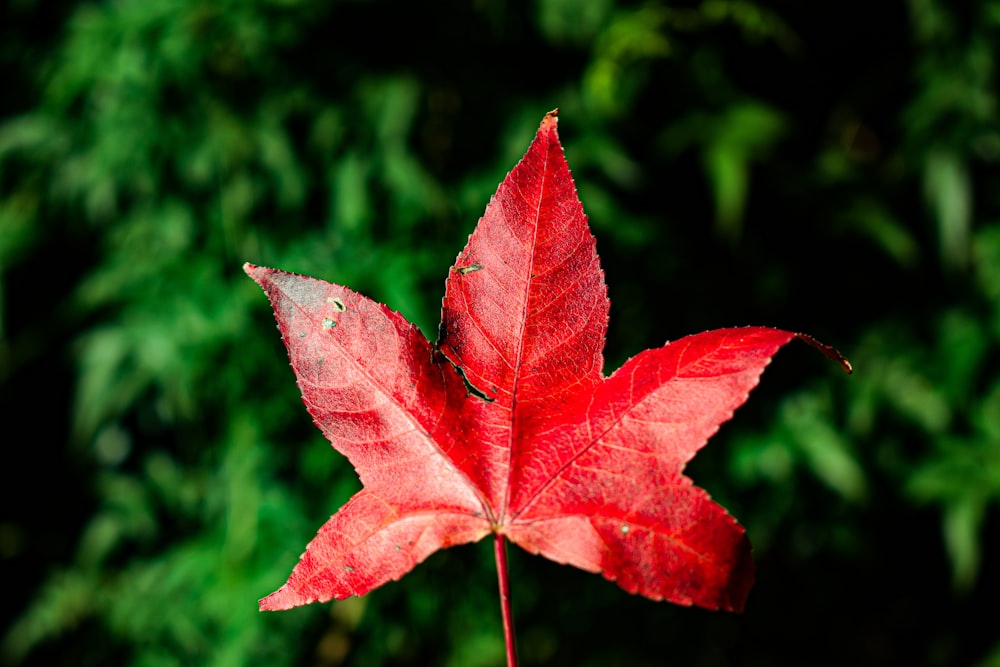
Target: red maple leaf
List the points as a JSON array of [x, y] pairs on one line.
[[508, 425]]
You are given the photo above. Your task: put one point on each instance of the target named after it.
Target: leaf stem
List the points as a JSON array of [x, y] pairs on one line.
[[500, 549]]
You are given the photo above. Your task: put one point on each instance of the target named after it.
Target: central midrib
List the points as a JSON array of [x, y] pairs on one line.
[[511, 439]]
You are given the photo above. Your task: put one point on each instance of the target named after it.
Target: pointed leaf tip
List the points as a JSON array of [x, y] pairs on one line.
[[252, 270], [828, 351], [551, 120]]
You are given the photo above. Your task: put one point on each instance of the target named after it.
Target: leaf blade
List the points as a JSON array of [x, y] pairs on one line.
[[527, 325], [693, 554], [622, 461], [647, 420], [368, 543], [369, 381]]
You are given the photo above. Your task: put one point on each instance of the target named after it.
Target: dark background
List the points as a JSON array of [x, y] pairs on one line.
[[822, 167]]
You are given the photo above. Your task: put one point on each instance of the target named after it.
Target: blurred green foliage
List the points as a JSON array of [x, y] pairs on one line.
[[830, 169]]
